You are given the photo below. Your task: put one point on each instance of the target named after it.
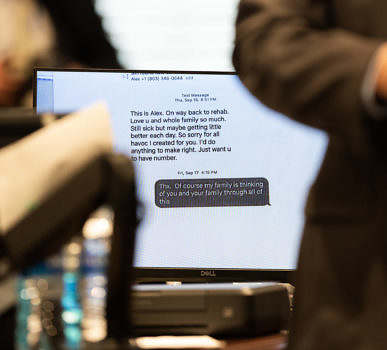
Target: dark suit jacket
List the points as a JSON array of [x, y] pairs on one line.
[[307, 59]]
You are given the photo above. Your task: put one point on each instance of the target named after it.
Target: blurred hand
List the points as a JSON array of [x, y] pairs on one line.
[[381, 80]]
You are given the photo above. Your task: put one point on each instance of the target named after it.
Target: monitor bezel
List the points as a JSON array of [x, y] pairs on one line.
[[181, 274]]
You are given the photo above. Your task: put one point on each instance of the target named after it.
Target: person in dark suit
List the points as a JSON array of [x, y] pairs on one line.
[[323, 63], [80, 35], [48, 33]]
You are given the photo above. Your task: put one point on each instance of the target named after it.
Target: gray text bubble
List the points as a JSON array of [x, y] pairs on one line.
[[212, 192]]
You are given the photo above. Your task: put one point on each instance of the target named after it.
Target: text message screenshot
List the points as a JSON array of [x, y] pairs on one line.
[[223, 180]]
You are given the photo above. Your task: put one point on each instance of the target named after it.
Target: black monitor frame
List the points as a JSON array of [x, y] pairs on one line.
[[178, 274]]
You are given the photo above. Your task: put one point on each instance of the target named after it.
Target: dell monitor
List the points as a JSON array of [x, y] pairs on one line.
[[223, 180]]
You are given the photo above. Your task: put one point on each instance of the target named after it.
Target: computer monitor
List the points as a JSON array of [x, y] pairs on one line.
[[223, 179]]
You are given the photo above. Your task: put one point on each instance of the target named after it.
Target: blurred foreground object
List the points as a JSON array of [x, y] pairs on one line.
[[42, 162], [16, 123], [50, 183]]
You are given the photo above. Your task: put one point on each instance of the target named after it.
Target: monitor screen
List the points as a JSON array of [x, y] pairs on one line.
[[223, 179]]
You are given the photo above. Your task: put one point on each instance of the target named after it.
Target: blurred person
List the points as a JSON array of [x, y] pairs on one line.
[[26, 37], [48, 33], [80, 36], [324, 63]]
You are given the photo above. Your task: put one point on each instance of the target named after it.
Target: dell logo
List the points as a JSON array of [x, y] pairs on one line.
[[207, 273]]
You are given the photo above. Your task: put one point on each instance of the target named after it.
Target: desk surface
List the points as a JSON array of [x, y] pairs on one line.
[[272, 342]]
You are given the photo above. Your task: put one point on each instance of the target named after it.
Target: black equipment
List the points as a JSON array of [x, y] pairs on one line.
[[222, 310]]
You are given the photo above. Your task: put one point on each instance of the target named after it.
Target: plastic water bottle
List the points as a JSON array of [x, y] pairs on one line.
[[96, 247], [38, 293], [61, 301], [71, 314]]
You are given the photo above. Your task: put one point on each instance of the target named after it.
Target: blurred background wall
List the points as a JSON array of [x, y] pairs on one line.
[[171, 34]]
